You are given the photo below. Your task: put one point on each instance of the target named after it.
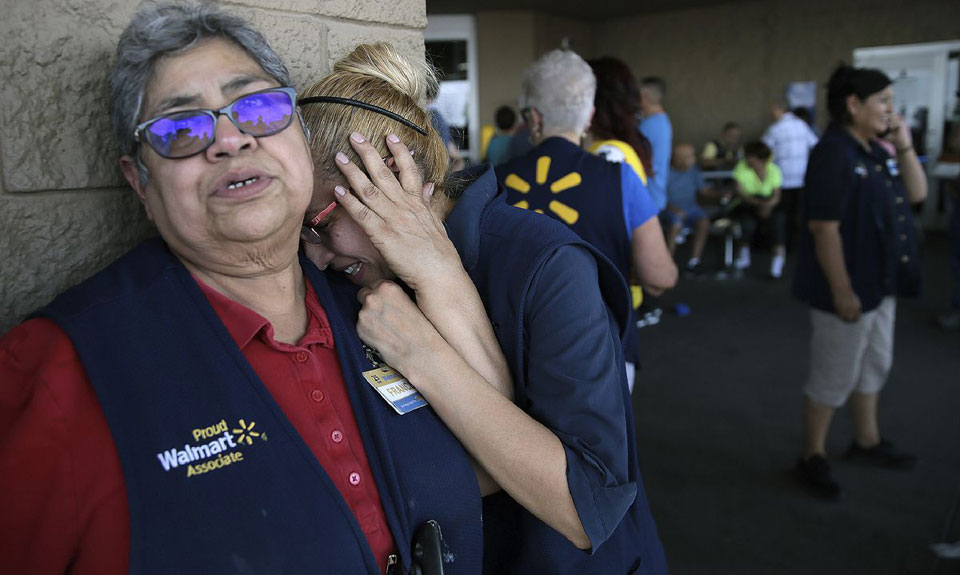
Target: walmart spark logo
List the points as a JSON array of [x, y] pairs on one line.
[[562, 184], [246, 434]]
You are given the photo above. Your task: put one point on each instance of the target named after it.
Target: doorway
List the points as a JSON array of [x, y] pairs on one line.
[[451, 46]]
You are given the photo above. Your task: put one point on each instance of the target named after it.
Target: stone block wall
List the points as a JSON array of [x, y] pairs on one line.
[[65, 211]]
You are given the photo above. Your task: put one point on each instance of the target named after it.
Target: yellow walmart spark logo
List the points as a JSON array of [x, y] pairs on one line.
[[246, 434], [566, 182]]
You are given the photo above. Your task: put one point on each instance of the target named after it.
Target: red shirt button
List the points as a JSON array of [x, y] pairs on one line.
[[316, 395], [337, 437], [354, 478], [302, 357]]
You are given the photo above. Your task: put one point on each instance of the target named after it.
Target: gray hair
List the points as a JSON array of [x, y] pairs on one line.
[[161, 29], [561, 86]]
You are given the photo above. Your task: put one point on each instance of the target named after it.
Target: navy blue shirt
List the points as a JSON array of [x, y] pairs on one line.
[[862, 190], [557, 305]]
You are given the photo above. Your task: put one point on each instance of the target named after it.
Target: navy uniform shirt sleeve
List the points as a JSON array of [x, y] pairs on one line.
[[574, 387], [828, 182]]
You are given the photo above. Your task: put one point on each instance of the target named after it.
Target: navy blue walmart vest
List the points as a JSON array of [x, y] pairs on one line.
[[569, 184], [516, 542], [217, 478], [584, 191]]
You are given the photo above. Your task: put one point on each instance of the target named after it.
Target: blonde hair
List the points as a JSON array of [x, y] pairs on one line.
[[375, 74]]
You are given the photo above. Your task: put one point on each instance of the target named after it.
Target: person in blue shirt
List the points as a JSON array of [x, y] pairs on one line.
[[512, 335], [498, 149], [684, 186], [656, 126], [858, 252]]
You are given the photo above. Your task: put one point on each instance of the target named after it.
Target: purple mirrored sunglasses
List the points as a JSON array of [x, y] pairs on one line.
[[188, 132]]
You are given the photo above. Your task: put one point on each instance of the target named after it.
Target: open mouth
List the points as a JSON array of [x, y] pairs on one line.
[[240, 184], [353, 268]]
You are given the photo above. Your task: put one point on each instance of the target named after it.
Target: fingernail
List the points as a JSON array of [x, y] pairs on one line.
[[428, 190], [342, 158], [340, 191], [356, 137], [393, 139]]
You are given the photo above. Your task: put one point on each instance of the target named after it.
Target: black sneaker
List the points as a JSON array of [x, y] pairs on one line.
[[814, 473], [883, 454]]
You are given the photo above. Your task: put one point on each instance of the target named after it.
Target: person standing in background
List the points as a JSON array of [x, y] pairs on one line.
[[656, 127], [857, 253], [605, 202], [791, 140], [499, 147]]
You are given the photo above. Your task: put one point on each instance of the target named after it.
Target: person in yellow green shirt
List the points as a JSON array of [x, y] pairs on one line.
[[758, 181]]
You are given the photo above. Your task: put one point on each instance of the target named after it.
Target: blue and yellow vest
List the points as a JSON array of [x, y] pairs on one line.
[[567, 183], [563, 181], [218, 479]]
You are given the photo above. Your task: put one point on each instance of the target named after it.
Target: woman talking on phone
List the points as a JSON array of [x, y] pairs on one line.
[[858, 251]]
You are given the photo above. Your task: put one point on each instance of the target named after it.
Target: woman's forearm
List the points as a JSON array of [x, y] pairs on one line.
[[455, 309], [519, 453]]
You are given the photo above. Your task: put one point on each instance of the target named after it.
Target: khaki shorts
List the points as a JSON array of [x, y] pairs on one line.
[[850, 357]]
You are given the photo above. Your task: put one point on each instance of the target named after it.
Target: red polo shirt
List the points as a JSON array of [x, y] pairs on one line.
[[63, 503]]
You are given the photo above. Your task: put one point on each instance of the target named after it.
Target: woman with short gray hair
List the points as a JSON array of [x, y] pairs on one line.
[[606, 203], [560, 88], [204, 403], [160, 30]]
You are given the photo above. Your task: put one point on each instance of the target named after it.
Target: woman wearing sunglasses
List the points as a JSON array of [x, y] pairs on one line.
[[554, 447], [199, 406]]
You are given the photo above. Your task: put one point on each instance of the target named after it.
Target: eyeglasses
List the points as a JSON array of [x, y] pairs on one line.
[[309, 232], [188, 132]]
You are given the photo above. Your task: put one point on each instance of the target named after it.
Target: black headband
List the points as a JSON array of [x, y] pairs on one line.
[[364, 105]]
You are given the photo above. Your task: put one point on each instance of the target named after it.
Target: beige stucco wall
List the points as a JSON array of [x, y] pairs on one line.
[[505, 46], [510, 40], [727, 62], [724, 62], [65, 211]]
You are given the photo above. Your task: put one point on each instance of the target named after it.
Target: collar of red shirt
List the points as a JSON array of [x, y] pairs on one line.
[[244, 324]]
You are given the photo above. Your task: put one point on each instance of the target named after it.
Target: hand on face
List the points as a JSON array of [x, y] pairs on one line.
[[899, 132], [396, 214], [393, 324]]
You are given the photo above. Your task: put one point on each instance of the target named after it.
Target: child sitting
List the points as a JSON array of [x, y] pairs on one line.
[[683, 186]]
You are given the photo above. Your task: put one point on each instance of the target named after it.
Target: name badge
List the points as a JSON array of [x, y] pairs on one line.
[[395, 389]]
